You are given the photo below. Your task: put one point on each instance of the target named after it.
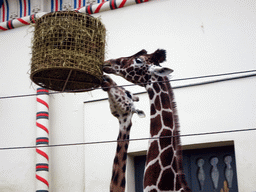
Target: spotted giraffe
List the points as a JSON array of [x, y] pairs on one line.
[[122, 107], [163, 171]]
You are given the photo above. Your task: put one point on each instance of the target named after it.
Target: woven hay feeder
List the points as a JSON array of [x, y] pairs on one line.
[[68, 52]]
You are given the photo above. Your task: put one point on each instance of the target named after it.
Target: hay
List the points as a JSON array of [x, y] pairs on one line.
[[68, 51]]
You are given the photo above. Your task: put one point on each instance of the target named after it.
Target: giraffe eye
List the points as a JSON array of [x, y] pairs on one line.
[[128, 94], [138, 60]]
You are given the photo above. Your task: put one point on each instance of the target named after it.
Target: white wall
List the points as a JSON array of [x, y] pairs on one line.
[[17, 115], [226, 43], [67, 127]]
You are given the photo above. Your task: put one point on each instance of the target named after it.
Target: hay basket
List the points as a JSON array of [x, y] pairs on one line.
[[68, 52]]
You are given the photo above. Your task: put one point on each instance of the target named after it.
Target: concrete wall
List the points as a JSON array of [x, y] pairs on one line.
[[201, 37], [17, 115]]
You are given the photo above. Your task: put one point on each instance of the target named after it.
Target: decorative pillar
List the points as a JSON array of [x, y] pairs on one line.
[[42, 140]]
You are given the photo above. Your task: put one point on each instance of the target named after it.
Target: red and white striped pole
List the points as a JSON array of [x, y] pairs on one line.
[[42, 139], [108, 5]]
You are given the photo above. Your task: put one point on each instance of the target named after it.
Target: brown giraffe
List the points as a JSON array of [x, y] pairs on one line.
[[122, 107], [164, 171]]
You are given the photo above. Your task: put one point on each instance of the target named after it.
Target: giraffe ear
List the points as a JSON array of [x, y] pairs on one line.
[[140, 113], [135, 98], [142, 52], [160, 71], [158, 56]]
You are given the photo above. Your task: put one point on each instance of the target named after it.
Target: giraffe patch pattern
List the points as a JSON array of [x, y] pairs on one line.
[[163, 170]]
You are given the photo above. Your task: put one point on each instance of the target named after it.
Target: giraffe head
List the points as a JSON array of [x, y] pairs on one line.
[[121, 100], [140, 67]]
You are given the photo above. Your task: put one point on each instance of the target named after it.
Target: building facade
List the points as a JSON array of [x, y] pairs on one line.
[[211, 48]]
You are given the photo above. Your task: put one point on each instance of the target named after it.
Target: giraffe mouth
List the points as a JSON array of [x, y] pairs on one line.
[[111, 67], [107, 67], [108, 70]]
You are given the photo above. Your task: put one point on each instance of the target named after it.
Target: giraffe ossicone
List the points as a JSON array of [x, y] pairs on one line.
[[123, 108], [164, 171]]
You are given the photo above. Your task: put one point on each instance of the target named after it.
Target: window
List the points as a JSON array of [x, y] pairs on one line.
[[139, 166], [205, 169]]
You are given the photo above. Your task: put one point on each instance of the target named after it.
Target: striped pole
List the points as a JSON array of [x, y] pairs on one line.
[[108, 5], [42, 139], [25, 8], [90, 9], [5, 10], [19, 22]]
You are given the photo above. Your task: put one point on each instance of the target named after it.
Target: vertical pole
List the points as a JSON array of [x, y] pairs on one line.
[[42, 139]]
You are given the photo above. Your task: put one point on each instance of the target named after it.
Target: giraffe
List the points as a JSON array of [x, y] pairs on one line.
[[122, 107], [163, 171]]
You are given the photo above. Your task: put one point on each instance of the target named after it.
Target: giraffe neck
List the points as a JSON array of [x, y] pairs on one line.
[[119, 166], [163, 170]]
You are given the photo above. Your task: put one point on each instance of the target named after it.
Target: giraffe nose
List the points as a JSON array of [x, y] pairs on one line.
[[105, 78], [107, 67], [109, 63], [105, 83], [106, 63]]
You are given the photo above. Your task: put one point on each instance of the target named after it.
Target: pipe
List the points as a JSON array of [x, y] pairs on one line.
[[42, 139]]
